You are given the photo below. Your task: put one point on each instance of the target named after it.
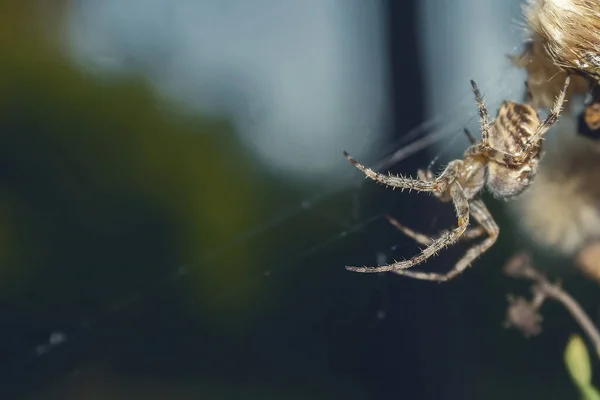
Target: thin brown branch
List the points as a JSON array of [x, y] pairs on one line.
[[524, 314]]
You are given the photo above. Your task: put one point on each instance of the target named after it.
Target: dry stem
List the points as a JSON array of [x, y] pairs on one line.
[[524, 315]]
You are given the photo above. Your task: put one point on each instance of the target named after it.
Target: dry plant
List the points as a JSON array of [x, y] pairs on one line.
[[524, 314], [544, 78], [561, 210], [563, 36], [569, 31]]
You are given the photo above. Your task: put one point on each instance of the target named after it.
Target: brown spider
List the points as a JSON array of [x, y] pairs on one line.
[[506, 161]]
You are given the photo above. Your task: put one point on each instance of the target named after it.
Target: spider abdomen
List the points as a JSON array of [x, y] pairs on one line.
[[514, 125], [508, 182]]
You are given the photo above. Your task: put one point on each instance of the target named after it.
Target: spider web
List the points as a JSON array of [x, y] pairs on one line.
[[359, 219]]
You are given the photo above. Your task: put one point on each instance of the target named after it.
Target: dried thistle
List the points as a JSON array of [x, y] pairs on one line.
[[544, 78], [524, 315], [560, 211], [570, 33]]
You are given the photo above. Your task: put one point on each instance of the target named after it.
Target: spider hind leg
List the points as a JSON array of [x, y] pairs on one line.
[[446, 239], [470, 233], [481, 214]]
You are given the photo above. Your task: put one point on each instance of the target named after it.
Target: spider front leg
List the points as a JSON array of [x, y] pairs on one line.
[[483, 114], [446, 239], [501, 157], [551, 118], [505, 125], [481, 214], [439, 184], [517, 159]]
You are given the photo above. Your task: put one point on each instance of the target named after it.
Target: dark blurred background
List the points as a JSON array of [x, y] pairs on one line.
[[148, 251]]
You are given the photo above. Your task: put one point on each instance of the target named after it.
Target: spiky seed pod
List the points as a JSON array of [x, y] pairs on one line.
[[545, 79], [560, 210], [570, 32]]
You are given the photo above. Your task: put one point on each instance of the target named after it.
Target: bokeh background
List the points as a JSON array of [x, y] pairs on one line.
[[176, 212]]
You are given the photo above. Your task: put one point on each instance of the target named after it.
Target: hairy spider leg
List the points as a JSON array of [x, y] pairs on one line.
[[470, 233], [482, 215], [551, 118], [396, 181], [508, 159], [446, 239], [483, 114]]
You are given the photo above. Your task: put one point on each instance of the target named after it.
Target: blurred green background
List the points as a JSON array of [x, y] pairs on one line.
[[144, 253]]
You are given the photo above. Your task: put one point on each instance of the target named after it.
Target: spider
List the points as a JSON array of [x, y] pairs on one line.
[[505, 160]]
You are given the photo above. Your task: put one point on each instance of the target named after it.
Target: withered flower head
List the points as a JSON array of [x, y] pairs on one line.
[[570, 30]]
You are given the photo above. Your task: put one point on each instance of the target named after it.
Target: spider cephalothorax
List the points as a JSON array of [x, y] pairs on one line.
[[505, 161]]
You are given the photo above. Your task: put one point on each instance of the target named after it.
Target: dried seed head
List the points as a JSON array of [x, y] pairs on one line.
[[569, 31], [523, 315], [545, 79], [560, 211]]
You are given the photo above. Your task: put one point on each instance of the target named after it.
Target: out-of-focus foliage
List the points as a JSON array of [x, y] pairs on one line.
[[95, 171], [577, 361], [107, 191]]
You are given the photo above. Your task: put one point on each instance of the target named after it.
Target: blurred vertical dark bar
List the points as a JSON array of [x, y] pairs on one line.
[[428, 331], [425, 320], [406, 77], [400, 367]]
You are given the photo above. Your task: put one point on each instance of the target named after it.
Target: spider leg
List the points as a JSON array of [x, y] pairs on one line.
[[428, 176], [483, 114], [470, 233], [440, 184], [551, 118], [418, 237], [446, 239], [484, 147], [481, 214], [473, 233], [516, 159], [498, 156]]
